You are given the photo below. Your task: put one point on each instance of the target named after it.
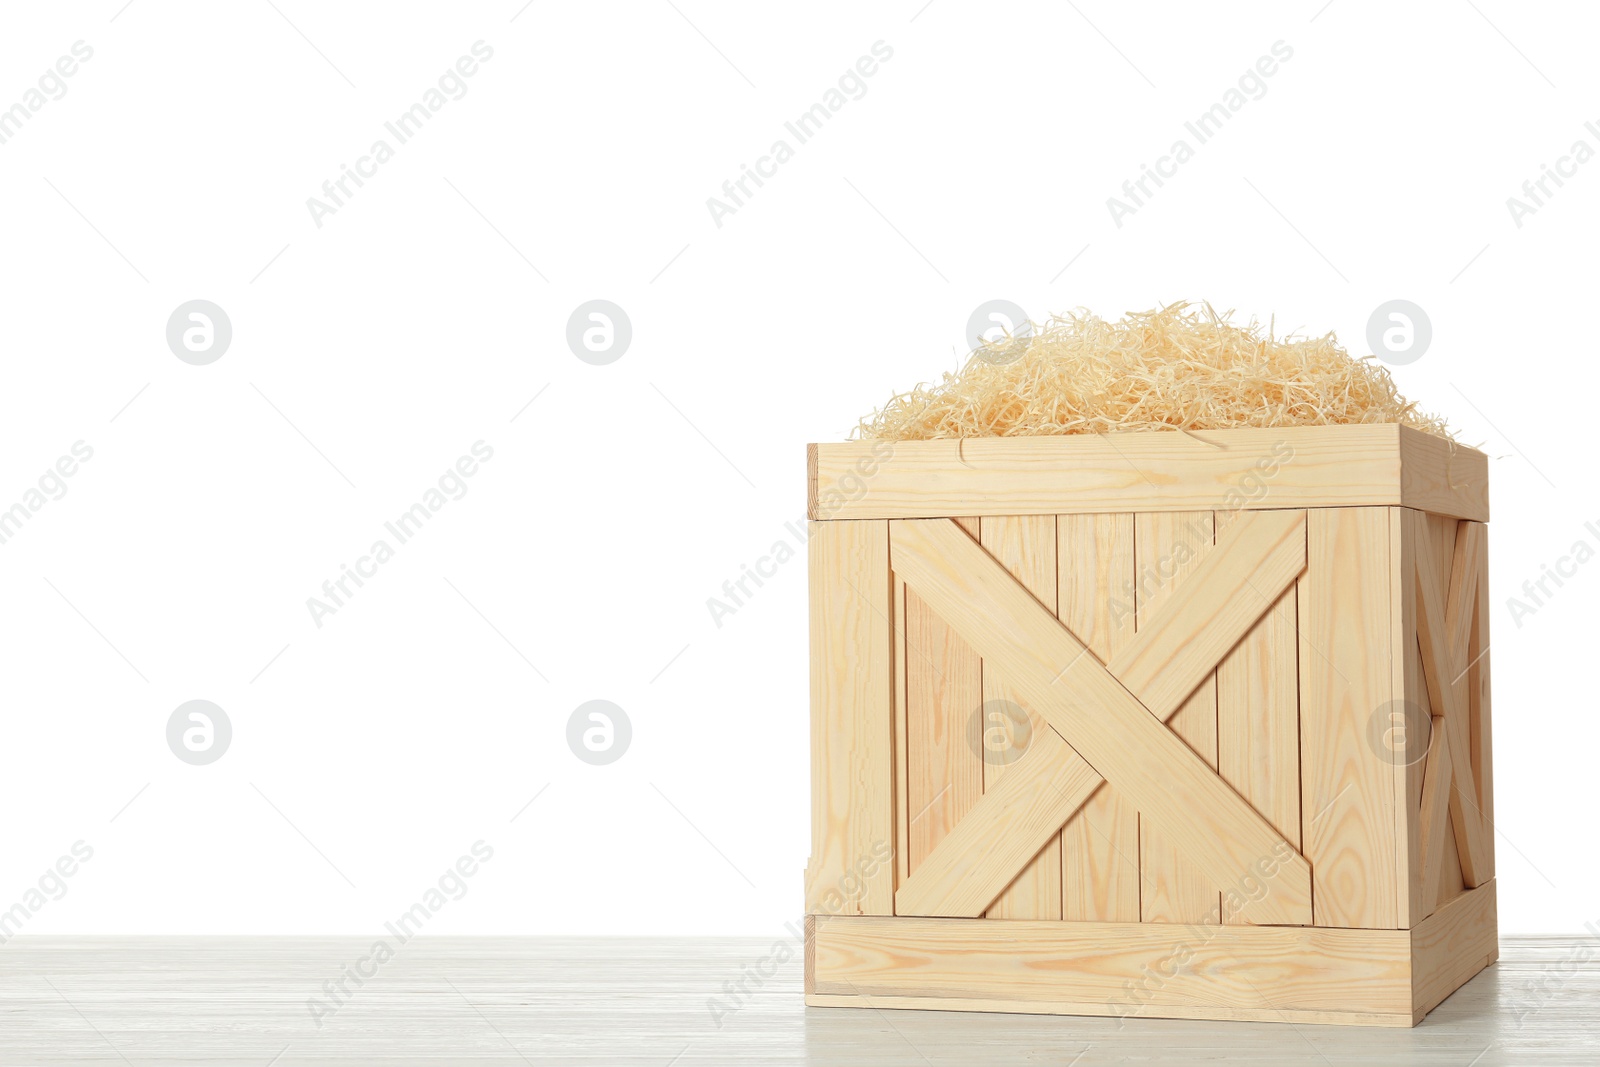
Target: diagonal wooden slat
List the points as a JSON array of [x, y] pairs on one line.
[[1443, 620], [1438, 774], [1112, 731]]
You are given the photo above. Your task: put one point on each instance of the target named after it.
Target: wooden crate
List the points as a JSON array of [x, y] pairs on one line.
[[1187, 725]]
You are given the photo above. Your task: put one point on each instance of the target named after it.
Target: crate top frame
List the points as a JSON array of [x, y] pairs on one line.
[[1240, 469]]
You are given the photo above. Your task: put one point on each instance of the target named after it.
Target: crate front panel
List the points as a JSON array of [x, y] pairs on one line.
[[1283, 650]]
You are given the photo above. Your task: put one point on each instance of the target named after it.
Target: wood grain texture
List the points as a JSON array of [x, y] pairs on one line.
[[1408, 730], [944, 690], [1132, 970], [1444, 669], [1435, 825], [1478, 694], [1168, 546], [1095, 600], [1460, 612], [902, 799], [1312, 466], [1258, 720], [1257, 559], [642, 1002], [1118, 969], [1346, 680], [1442, 477], [1452, 945], [1025, 545], [1115, 733], [852, 744]]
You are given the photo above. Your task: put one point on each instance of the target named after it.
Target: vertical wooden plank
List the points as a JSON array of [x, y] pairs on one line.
[[1478, 690], [902, 808], [944, 690], [852, 744], [1167, 546], [1258, 721], [1408, 748], [1095, 600], [1347, 649], [1026, 546]]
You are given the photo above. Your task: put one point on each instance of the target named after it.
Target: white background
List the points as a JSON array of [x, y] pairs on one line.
[[423, 715]]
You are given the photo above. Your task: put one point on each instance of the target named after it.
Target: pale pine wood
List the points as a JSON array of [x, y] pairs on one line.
[[1442, 477], [852, 745], [1277, 1017], [1443, 666], [1461, 616], [1117, 734], [1435, 870], [1119, 969], [1168, 546], [1348, 791], [1410, 718], [1435, 827], [1452, 880], [902, 802], [1478, 692], [1312, 466], [1452, 945], [1258, 720], [1255, 561], [1095, 600], [1026, 546], [944, 688], [1133, 970], [1003, 832]]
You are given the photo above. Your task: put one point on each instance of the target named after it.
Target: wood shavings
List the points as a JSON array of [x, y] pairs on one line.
[[1179, 367]]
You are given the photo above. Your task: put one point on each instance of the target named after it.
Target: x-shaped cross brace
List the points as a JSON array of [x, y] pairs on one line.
[[1449, 789], [1108, 722]]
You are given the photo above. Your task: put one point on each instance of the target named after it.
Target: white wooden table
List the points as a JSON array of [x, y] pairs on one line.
[[625, 1001]]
